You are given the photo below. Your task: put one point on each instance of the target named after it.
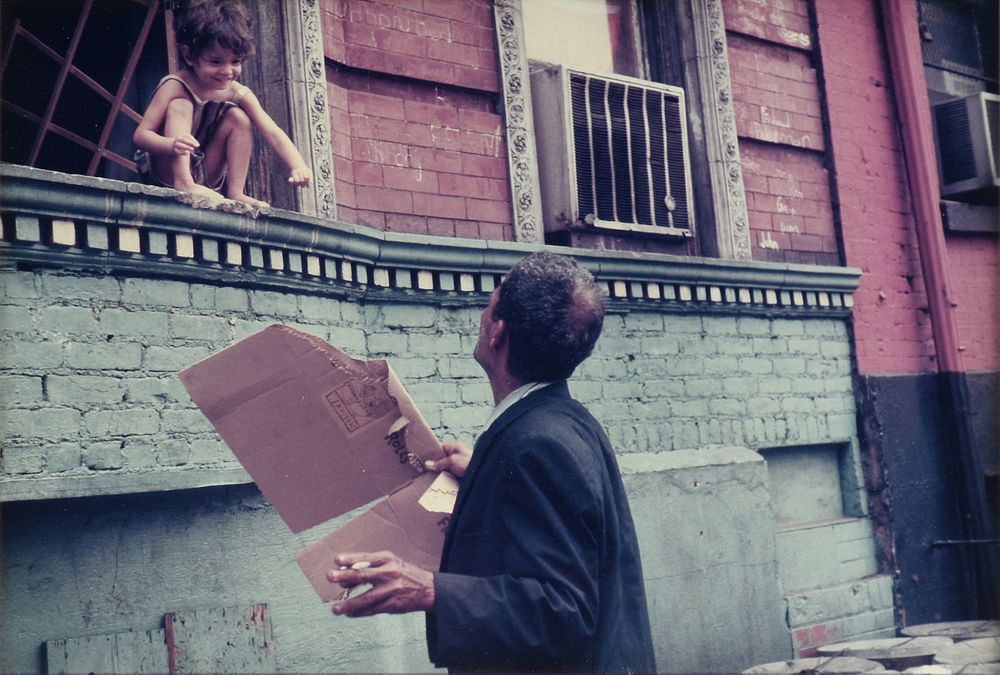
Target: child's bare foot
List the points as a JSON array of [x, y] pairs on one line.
[[248, 200], [201, 190]]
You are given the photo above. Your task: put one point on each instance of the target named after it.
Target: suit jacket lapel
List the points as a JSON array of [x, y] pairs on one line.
[[486, 442]]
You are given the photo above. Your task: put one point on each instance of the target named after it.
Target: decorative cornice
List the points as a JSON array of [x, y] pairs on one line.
[[308, 105], [79, 222], [521, 156], [723, 148]]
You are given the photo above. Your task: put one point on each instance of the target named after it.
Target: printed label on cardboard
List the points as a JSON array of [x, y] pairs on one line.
[[359, 403]]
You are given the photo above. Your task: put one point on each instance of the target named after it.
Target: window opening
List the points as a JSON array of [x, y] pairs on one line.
[[599, 36], [959, 40], [71, 81], [812, 484]]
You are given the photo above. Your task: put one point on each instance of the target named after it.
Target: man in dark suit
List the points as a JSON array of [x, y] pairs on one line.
[[540, 569]]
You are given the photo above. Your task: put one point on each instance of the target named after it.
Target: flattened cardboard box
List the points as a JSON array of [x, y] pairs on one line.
[[322, 434]]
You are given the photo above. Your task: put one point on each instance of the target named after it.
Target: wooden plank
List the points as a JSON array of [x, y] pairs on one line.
[[128, 652], [980, 650], [823, 664], [956, 630], [220, 640], [141, 652], [894, 653]]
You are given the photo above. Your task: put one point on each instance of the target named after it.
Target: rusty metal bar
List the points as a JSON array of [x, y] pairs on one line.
[[126, 78], [15, 30], [962, 542], [60, 81]]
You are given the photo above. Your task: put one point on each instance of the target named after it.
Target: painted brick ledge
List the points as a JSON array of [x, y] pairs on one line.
[[92, 484], [113, 227]]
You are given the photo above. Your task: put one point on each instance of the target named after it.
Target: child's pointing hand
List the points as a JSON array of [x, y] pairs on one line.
[[301, 177]]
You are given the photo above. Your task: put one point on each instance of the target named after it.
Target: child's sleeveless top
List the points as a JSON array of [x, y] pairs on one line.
[[205, 121], [207, 114]]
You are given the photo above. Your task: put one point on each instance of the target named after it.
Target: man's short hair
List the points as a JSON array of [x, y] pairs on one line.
[[554, 311]]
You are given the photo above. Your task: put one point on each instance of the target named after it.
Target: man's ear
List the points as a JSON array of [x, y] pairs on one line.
[[498, 333]]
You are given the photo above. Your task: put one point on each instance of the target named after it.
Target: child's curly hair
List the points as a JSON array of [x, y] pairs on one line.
[[205, 22]]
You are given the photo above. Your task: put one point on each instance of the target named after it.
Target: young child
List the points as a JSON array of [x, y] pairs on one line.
[[197, 133]]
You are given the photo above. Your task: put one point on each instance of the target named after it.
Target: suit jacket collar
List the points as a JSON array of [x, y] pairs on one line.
[[559, 388]]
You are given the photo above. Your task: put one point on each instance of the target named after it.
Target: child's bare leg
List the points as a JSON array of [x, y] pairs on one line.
[[180, 114], [232, 148]]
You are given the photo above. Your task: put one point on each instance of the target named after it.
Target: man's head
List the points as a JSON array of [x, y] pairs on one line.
[[209, 22], [552, 312]]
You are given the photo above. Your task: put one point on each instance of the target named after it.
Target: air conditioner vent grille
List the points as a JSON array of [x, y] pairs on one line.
[[630, 153], [993, 129], [958, 162]]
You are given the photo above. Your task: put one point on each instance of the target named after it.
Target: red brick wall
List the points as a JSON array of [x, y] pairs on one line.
[[974, 263], [418, 142], [892, 329], [777, 102]]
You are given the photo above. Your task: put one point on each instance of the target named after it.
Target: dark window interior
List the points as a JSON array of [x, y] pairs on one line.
[[74, 78]]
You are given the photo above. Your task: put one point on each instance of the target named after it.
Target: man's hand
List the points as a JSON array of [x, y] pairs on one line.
[[456, 459], [397, 586]]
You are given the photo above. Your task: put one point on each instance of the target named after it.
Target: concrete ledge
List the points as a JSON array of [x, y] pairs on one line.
[[650, 462], [68, 220]]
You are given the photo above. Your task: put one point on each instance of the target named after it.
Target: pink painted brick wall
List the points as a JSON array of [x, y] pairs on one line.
[[788, 201], [780, 21], [418, 146], [443, 41], [975, 280], [807, 640], [777, 102], [775, 94], [892, 330]]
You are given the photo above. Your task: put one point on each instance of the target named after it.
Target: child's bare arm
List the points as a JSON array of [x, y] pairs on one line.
[[149, 137], [300, 174]]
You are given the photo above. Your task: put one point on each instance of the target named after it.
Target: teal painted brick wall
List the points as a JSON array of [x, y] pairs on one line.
[[89, 358]]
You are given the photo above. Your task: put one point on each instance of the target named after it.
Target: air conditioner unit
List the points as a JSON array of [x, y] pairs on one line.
[[967, 143], [612, 153]]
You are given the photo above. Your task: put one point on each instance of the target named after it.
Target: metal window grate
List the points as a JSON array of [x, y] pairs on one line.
[[960, 36], [630, 150]]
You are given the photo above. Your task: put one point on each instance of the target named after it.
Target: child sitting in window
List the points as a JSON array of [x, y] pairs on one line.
[[197, 133]]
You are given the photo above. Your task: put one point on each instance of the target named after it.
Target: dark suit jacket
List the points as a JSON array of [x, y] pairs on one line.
[[540, 569]]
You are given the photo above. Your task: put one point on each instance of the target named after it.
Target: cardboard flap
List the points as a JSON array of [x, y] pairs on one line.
[[321, 433]]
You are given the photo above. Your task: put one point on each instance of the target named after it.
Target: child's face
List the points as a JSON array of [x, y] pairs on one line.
[[216, 66]]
